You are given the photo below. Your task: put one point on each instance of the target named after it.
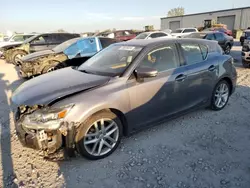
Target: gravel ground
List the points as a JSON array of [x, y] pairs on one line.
[[201, 149]]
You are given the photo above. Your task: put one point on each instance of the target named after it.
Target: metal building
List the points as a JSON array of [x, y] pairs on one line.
[[235, 19]]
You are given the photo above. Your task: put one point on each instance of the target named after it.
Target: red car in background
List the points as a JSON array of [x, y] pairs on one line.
[[120, 35], [223, 30]]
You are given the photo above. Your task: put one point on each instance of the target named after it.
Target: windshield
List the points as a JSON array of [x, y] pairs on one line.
[[142, 36], [65, 45], [177, 31], [113, 60]]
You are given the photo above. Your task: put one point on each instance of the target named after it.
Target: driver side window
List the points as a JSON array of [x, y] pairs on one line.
[[162, 59], [39, 40]]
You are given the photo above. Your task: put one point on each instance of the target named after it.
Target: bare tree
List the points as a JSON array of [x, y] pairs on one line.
[[179, 11]]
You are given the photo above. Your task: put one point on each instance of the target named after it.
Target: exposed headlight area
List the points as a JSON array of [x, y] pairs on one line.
[[46, 118], [42, 127]]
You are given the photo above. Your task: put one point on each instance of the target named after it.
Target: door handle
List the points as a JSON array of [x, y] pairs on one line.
[[180, 78], [211, 68]]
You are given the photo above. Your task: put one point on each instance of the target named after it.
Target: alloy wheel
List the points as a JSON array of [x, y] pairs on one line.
[[101, 137], [51, 69], [227, 50], [221, 95]]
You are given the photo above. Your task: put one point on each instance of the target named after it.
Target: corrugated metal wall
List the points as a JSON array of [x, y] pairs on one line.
[[241, 21]]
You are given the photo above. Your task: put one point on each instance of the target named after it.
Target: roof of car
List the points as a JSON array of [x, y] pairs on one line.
[[187, 28], [143, 43], [247, 30]]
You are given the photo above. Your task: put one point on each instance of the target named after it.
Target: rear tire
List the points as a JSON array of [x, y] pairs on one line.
[[104, 138], [220, 95]]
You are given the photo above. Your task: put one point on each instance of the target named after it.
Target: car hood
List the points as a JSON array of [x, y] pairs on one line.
[[2, 44], [49, 87], [36, 55], [11, 45]]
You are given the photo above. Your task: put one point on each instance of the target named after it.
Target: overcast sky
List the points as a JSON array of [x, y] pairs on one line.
[[91, 15]]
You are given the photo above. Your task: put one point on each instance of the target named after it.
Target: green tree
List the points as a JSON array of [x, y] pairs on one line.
[[179, 11]]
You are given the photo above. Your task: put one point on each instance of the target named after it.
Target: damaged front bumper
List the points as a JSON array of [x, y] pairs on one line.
[[50, 142], [29, 69]]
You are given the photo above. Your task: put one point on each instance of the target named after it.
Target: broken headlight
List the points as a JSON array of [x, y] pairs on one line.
[[49, 118]]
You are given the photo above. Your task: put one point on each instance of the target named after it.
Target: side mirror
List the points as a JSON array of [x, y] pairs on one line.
[[145, 72], [149, 37]]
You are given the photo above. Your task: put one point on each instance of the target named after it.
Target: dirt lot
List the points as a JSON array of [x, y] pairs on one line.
[[202, 149]]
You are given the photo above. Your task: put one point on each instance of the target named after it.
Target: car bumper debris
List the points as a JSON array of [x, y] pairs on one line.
[[55, 144]]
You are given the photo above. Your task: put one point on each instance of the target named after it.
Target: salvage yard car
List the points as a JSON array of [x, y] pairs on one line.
[[244, 36], [119, 35], [14, 52], [70, 53], [246, 53], [126, 87], [226, 42], [14, 39], [181, 32], [153, 34]]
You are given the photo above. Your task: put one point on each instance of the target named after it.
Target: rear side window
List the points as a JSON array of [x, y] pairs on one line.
[[193, 53], [154, 35], [162, 35], [210, 36], [189, 30], [105, 42], [219, 36]]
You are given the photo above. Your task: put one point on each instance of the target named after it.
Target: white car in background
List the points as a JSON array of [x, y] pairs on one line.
[[181, 32], [153, 34], [15, 39]]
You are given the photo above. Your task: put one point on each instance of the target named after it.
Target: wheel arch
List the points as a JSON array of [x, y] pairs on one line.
[[229, 81], [119, 114]]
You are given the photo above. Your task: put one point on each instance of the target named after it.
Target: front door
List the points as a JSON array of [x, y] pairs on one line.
[[39, 43], [154, 98]]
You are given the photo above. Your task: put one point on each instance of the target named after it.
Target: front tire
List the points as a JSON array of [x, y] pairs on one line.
[[220, 95], [16, 56], [99, 136]]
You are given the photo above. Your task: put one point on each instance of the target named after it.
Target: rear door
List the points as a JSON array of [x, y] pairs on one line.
[[200, 75], [40, 43]]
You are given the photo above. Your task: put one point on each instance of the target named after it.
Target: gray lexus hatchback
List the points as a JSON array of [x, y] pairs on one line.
[[125, 87]]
